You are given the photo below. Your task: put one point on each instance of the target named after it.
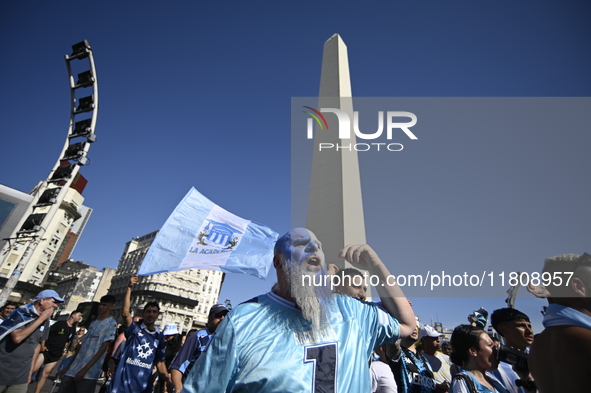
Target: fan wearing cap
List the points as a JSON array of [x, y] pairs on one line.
[[195, 345], [21, 335], [440, 363], [173, 343], [173, 346]]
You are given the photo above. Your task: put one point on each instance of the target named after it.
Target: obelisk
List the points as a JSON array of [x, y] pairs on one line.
[[335, 208]]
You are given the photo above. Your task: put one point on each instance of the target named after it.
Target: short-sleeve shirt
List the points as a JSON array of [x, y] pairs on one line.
[[265, 345], [15, 359], [59, 334], [98, 333], [382, 379], [143, 349], [190, 352], [441, 367]]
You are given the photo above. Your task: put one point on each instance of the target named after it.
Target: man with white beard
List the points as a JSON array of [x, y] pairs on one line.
[[301, 337]]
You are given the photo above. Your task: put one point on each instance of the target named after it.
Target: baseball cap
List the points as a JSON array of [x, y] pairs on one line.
[[217, 308], [428, 331], [170, 329], [47, 293]]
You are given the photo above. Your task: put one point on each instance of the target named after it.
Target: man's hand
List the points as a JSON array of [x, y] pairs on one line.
[[392, 297], [45, 314], [132, 280], [332, 269], [539, 291], [361, 255], [111, 367]]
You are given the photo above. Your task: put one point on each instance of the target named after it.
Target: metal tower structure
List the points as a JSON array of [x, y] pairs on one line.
[[48, 196]]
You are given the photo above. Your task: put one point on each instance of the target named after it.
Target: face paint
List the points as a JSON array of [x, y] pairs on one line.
[[301, 246], [304, 257]]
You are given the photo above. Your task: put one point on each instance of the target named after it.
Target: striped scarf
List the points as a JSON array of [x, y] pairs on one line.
[[557, 315], [18, 319]]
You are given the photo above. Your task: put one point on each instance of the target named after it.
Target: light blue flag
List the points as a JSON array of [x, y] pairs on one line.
[[201, 235]]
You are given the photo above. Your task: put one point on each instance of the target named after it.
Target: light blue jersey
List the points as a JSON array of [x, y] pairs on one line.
[[99, 332], [265, 345]]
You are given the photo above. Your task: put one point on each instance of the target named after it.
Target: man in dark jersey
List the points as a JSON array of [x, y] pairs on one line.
[[53, 348], [195, 346], [412, 371], [143, 349]]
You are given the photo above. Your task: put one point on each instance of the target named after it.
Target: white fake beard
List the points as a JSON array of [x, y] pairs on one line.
[[312, 300]]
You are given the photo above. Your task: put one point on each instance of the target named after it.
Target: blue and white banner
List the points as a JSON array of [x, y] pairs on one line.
[[201, 235]]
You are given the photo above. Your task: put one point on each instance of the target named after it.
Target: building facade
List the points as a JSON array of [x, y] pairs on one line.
[[13, 207], [48, 245], [72, 237], [185, 297], [83, 285]]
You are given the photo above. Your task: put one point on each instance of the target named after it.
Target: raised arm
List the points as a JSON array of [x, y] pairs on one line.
[[126, 309], [391, 295]]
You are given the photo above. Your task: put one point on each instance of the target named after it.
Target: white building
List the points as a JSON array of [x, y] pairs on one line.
[[13, 207], [49, 241], [184, 297]]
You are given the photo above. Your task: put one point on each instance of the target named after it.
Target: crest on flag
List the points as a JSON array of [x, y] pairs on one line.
[[218, 235]]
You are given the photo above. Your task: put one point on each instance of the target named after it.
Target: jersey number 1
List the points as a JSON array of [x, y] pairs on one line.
[[324, 357]]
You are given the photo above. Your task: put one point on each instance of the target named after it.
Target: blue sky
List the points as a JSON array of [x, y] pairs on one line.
[[198, 94]]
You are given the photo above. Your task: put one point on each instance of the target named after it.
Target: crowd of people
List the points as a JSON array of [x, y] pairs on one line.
[[308, 338]]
